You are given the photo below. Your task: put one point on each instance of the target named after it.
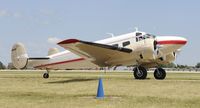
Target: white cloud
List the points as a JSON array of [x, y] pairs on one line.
[[46, 12], [53, 40], [4, 13], [45, 22], [17, 15]]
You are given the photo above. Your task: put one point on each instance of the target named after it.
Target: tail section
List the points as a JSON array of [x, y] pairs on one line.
[[53, 51], [19, 56]]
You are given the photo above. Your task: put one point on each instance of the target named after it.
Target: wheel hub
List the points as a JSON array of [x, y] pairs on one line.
[[139, 73]]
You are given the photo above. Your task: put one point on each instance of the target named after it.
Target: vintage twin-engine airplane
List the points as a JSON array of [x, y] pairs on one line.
[[138, 49]]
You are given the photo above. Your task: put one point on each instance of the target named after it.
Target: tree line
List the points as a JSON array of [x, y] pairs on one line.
[[170, 65]]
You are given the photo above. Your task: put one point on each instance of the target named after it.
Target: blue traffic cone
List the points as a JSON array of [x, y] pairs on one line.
[[100, 92]]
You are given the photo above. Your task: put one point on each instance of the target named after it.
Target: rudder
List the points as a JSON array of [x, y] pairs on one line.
[[19, 56]]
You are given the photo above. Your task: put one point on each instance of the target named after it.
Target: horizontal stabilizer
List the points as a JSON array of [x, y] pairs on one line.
[[38, 58]]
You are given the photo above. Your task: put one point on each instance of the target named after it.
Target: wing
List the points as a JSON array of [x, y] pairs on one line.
[[95, 52]]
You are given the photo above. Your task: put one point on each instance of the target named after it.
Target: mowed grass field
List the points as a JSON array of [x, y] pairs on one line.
[[27, 89]]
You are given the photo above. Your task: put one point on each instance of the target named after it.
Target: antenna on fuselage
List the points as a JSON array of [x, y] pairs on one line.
[[136, 29], [111, 34]]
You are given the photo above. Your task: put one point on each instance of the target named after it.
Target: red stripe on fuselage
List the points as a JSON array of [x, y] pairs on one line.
[[62, 62], [182, 42]]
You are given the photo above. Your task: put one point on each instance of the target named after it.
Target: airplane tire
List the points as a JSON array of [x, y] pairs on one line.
[[140, 72], [159, 74], [45, 75]]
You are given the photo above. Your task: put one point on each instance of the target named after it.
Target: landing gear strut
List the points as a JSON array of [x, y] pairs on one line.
[[159, 74], [140, 72], [46, 75]]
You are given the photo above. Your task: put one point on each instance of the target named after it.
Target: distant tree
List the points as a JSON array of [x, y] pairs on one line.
[[197, 65], [183, 66], [2, 66], [10, 66], [170, 65]]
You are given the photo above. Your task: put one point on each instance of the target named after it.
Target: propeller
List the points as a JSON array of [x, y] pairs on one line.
[[177, 52], [157, 47]]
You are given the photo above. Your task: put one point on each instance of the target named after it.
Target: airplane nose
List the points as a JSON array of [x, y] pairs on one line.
[[181, 40], [169, 44], [184, 39], [172, 40]]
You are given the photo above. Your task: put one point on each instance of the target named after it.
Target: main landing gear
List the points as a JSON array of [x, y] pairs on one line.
[[159, 74], [46, 75], [141, 73]]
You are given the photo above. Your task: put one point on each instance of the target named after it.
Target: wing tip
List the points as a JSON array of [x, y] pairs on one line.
[[68, 41]]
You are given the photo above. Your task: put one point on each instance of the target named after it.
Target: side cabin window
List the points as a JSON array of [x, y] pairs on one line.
[[115, 45], [139, 38], [126, 43]]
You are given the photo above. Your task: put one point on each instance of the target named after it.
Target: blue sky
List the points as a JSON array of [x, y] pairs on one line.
[[38, 23]]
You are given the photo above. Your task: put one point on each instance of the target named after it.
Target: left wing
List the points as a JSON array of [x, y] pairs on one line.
[[97, 53]]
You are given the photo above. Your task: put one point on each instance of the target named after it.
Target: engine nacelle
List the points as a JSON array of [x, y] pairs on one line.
[[145, 49], [19, 56], [167, 58], [170, 57]]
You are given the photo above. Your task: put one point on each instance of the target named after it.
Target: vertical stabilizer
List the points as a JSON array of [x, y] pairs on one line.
[[19, 56]]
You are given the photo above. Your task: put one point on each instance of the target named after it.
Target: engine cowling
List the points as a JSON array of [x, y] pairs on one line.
[[148, 49], [170, 57]]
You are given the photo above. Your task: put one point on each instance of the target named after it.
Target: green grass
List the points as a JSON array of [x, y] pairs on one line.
[[78, 90]]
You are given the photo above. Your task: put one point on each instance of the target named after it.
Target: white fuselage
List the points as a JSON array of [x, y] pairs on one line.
[[69, 60]]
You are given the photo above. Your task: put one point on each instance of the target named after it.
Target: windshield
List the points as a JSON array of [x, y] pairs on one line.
[[149, 36], [145, 36]]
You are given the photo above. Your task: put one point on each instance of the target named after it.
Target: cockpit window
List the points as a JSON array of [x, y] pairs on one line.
[[145, 36], [138, 33], [149, 36]]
